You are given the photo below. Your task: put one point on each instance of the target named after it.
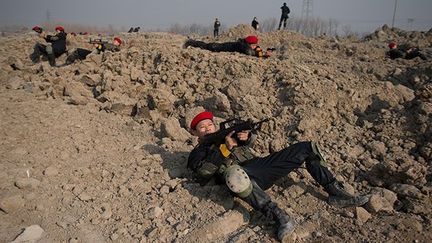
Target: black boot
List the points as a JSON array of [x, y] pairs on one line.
[[285, 223], [260, 201], [341, 198], [51, 60]]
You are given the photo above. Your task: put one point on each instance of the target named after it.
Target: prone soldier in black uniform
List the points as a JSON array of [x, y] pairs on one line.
[[404, 51], [100, 46], [247, 176], [248, 46]]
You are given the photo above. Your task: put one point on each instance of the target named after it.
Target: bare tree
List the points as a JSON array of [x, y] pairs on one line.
[[268, 25], [346, 30]]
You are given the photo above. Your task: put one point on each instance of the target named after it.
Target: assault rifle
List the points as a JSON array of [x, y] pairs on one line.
[[271, 49], [236, 125], [98, 41]]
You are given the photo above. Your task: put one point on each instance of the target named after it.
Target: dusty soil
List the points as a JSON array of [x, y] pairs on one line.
[[96, 151]]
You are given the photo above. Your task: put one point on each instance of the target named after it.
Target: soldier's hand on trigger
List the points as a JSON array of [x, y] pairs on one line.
[[230, 142], [243, 135]]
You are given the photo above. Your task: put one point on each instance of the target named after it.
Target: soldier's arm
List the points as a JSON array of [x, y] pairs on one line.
[[52, 38], [205, 161]]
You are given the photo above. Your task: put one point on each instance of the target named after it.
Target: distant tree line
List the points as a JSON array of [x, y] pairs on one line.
[[308, 27]]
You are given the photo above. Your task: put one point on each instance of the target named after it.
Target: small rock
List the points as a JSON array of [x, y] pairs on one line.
[[84, 196], [348, 214], [30, 234], [294, 191], [106, 211], [155, 212], [14, 83], [27, 183], [381, 200], [378, 148], [50, 171], [114, 236], [362, 215], [171, 128], [164, 190], [171, 220], [91, 80], [11, 204], [406, 190]]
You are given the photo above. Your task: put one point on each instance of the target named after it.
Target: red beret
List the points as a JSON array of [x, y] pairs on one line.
[[251, 39], [201, 116], [392, 45], [118, 40], [60, 28], [36, 27]]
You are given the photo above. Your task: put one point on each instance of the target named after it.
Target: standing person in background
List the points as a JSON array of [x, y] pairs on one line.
[[284, 16], [216, 28], [255, 23]]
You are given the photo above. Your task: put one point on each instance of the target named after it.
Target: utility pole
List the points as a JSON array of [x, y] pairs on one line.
[[394, 13], [307, 9], [48, 16], [306, 13], [410, 23]]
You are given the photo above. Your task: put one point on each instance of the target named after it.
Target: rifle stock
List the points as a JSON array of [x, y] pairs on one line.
[[238, 125]]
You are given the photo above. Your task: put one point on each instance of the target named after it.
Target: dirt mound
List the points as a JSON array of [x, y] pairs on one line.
[[97, 151]]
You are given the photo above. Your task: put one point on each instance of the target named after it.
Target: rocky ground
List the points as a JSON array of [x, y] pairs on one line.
[[96, 151]]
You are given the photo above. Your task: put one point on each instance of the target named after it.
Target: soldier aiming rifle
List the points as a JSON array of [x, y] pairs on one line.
[[231, 161], [100, 46]]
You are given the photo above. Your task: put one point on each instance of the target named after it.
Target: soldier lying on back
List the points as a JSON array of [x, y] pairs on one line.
[[100, 46], [232, 162]]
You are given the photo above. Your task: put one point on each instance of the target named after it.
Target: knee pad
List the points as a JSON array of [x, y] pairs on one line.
[[49, 49], [238, 181], [317, 152]]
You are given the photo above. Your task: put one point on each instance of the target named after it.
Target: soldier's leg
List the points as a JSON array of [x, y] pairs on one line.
[[285, 22], [38, 50], [268, 169], [240, 184], [280, 22], [196, 43], [50, 55]]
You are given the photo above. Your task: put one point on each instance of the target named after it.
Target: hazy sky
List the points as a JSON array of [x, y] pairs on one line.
[[361, 15]]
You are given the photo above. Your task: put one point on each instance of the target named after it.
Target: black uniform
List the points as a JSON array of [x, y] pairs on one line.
[[255, 24], [406, 53], [81, 54], [216, 28], [239, 46], [57, 47], [265, 171], [284, 16], [210, 162]]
